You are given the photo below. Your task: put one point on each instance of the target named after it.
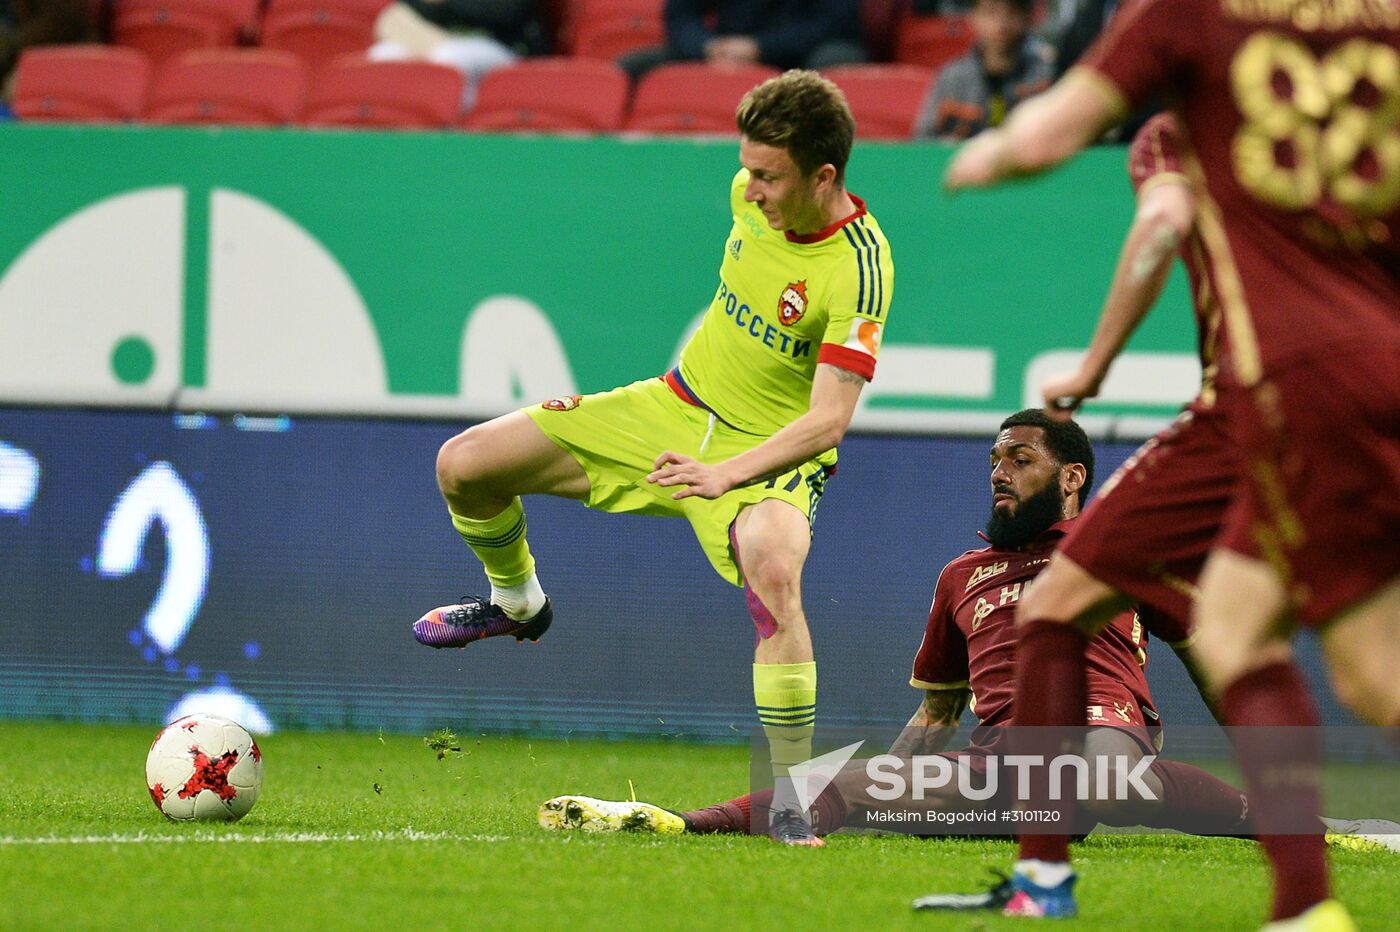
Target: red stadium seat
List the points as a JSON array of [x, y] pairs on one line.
[[352, 91], [90, 83], [251, 87], [551, 94], [320, 30], [692, 97], [165, 28], [931, 41], [885, 99], [608, 29]]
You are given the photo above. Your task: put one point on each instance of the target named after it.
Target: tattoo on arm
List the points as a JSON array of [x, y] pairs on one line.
[[933, 726], [846, 375], [1159, 247], [945, 706]]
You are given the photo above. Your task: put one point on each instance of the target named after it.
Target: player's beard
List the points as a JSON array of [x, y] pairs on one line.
[[1032, 517]]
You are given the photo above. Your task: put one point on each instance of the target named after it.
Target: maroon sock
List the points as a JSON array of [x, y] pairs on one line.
[[1283, 773], [1050, 690], [730, 818], [828, 810], [1196, 802], [749, 814]]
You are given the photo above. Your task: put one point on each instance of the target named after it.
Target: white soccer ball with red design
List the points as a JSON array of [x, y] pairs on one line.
[[203, 767]]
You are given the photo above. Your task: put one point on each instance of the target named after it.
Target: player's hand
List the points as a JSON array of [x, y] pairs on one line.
[[698, 478], [977, 163], [1063, 394]]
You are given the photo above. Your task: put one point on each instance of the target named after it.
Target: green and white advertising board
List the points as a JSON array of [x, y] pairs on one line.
[[461, 275]]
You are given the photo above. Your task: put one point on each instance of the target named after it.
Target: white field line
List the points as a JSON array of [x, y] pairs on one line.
[[294, 838]]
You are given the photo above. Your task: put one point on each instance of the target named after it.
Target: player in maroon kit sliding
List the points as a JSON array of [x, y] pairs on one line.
[[1041, 471], [1291, 108]]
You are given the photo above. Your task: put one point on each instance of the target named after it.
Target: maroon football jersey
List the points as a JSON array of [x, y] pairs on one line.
[[1292, 109], [1156, 156], [970, 640]]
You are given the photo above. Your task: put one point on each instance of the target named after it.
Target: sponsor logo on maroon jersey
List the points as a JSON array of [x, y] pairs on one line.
[[985, 572]]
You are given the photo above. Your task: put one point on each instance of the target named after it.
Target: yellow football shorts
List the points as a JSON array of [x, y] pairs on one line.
[[616, 436]]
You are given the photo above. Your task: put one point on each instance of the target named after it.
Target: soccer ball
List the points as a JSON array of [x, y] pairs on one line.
[[203, 767]]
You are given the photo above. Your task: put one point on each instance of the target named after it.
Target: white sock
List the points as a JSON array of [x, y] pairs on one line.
[[1045, 873], [522, 601]]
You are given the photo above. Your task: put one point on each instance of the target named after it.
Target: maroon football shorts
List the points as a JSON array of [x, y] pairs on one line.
[[1148, 531], [1120, 708], [1319, 497]]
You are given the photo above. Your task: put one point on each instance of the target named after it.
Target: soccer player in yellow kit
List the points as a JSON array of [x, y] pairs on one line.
[[739, 438]]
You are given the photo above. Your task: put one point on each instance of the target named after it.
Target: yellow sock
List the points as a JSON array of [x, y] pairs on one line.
[[499, 543], [786, 697]]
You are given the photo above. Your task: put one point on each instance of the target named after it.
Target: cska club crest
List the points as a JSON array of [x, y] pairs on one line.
[[566, 403], [793, 303]]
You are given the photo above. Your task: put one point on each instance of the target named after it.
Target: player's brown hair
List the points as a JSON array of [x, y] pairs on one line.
[[804, 113]]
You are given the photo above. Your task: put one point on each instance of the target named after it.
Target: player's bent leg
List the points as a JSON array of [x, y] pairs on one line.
[[771, 542], [1123, 754], [772, 539], [1362, 648], [482, 472], [1240, 624], [1063, 609], [483, 469], [1242, 641]]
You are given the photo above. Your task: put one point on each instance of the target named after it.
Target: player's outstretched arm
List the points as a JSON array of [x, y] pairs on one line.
[[1165, 215], [835, 392], [933, 725], [1040, 134]]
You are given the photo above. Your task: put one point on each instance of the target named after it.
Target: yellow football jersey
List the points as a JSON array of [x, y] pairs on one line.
[[785, 303]]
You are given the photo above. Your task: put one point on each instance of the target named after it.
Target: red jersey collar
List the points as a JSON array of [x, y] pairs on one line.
[[1056, 530], [825, 232]]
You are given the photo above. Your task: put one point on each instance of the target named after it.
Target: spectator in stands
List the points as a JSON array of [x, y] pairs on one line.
[[1005, 66], [40, 22], [781, 33], [473, 36], [1081, 29]]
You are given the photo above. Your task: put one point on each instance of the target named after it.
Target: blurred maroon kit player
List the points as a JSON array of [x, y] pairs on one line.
[[1149, 530], [1293, 112], [1298, 213]]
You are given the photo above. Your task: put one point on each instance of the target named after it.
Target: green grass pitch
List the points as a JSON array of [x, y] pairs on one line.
[[372, 832]]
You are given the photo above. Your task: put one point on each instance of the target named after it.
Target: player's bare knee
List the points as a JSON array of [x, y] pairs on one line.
[[1224, 655], [1369, 689], [460, 465], [775, 577]]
